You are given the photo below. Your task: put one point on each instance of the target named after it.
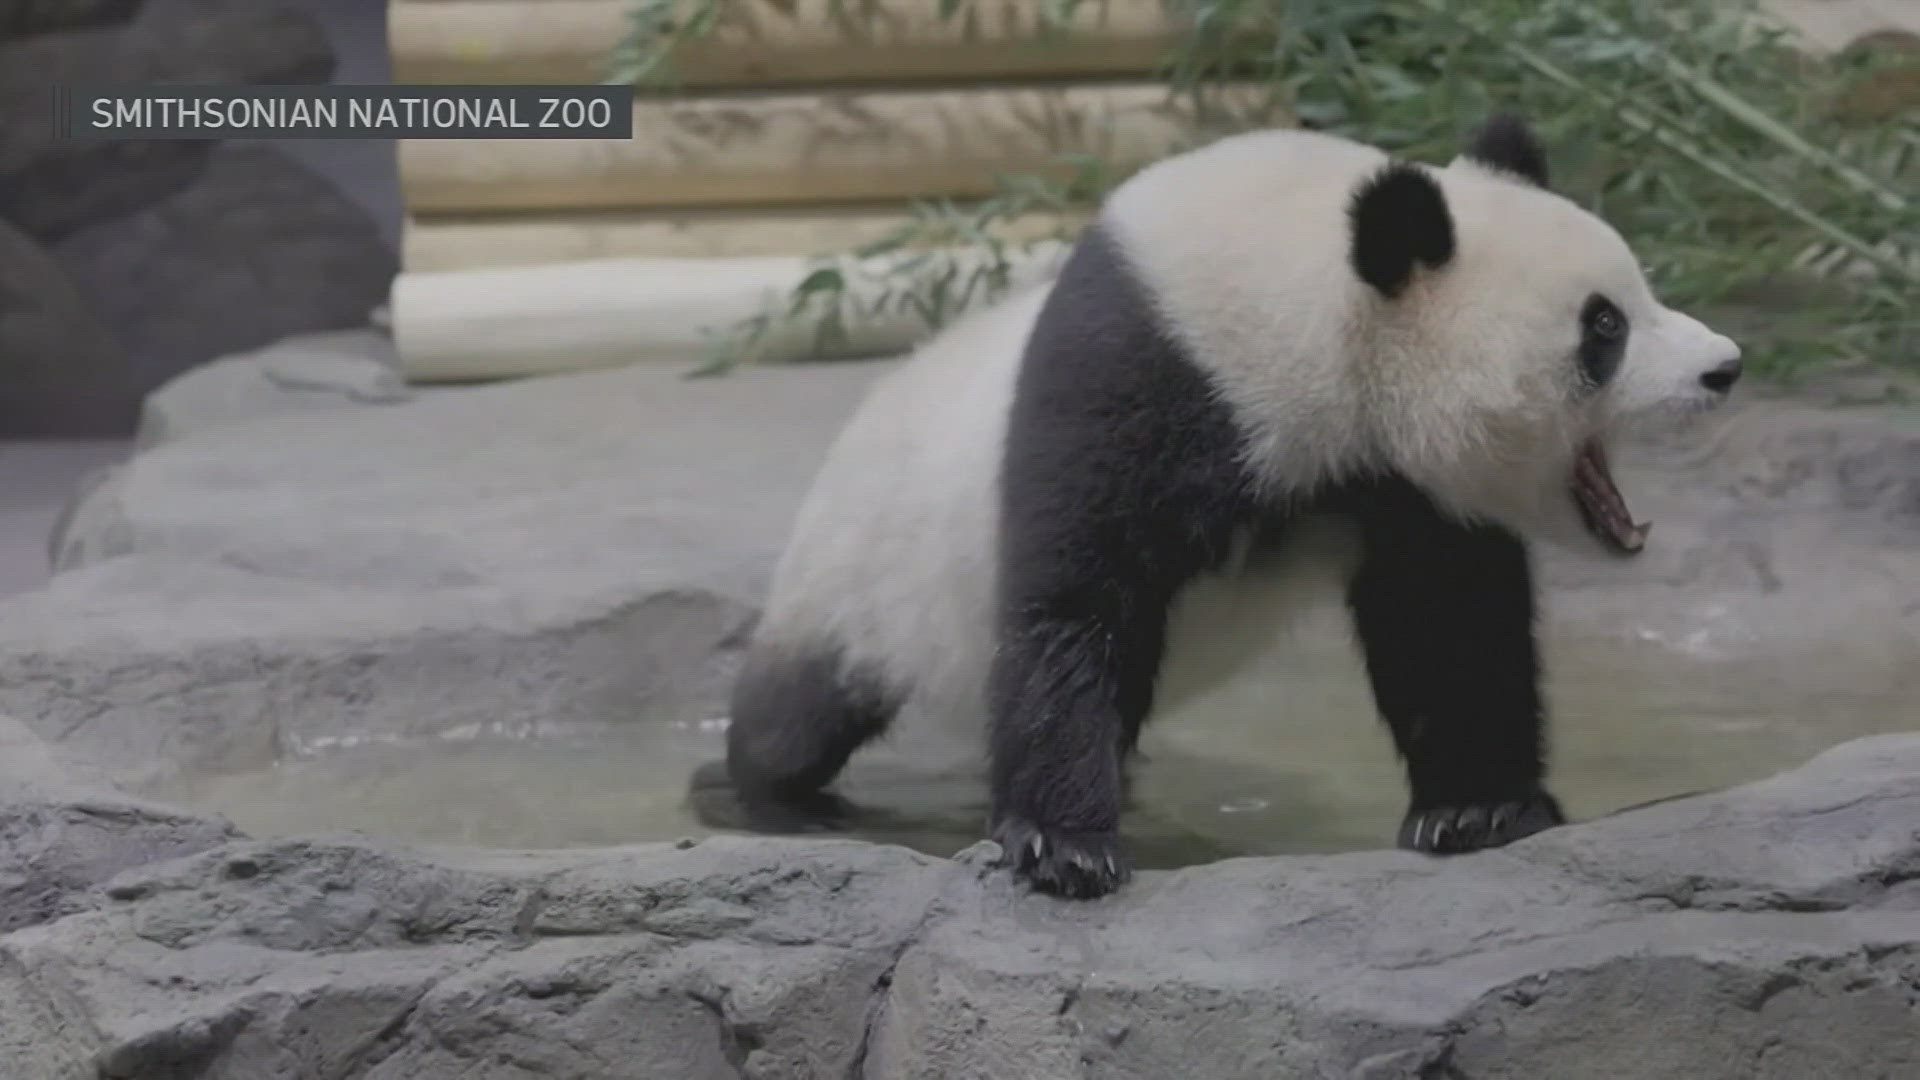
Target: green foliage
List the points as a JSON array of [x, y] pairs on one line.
[[1694, 126], [943, 260], [656, 29]]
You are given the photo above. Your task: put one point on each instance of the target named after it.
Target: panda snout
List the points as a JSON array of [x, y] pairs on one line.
[[1721, 377]]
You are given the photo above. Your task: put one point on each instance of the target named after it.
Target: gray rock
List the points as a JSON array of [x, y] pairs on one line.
[[1772, 930], [1768, 931], [60, 371], [1656, 997], [52, 186], [311, 959], [1776, 524], [303, 373], [518, 558], [64, 830], [23, 17], [257, 249]]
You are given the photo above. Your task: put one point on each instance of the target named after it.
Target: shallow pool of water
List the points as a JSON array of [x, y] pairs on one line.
[[1289, 759]]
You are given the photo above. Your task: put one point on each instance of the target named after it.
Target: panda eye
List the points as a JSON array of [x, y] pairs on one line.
[[1604, 319], [1603, 333]]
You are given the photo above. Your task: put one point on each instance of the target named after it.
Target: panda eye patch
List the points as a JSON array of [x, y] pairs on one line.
[[1603, 339]]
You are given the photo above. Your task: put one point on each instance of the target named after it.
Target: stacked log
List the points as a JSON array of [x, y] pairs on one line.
[[780, 43], [792, 129]]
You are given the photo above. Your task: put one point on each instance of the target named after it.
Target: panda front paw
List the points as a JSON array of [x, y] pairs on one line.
[[1453, 830], [1075, 865]]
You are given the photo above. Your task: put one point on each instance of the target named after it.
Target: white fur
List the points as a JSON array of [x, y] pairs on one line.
[[1464, 383], [892, 553]]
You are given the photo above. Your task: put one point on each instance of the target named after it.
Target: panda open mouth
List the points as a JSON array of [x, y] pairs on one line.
[[1601, 506]]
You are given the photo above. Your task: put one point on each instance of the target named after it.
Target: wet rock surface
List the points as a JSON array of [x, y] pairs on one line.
[[1772, 930], [64, 830]]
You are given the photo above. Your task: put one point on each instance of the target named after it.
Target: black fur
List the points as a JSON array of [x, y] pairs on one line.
[[1445, 617], [1602, 343], [798, 714], [1123, 482], [1399, 218], [1506, 143]]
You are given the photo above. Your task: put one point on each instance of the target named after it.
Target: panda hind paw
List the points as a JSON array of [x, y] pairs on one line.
[[1074, 865], [1453, 830]]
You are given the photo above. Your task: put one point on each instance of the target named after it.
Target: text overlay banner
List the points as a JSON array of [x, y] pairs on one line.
[[346, 112]]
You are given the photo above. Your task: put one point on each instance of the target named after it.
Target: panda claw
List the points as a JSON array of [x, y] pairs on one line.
[[1452, 830], [1501, 815], [1076, 865]]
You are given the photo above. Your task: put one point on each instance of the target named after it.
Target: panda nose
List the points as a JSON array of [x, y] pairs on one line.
[[1723, 376]]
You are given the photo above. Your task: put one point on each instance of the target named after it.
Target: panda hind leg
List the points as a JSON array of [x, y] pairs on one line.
[[798, 715]]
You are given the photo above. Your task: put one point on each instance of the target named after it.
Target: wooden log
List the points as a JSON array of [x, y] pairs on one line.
[[510, 322], [430, 244], [776, 42], [797, 42], [810, 148]]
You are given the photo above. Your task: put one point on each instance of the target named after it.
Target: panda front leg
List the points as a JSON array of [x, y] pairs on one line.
[[1445, 617], [1122, 479], [1069, 692]]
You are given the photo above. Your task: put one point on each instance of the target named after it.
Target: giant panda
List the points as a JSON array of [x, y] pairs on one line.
[[1059, 504]]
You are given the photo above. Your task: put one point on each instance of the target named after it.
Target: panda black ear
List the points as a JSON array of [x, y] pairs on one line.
[[1399, 217], [1506, 143]]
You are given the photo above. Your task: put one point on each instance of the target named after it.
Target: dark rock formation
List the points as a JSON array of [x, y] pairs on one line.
[[51, 186], [257, 249], [60, 371], [22, 17]]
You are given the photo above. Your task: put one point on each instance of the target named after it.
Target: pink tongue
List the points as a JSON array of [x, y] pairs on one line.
[[1600, 502]]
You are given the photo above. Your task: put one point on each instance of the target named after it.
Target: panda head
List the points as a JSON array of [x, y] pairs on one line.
[[1504, 334]]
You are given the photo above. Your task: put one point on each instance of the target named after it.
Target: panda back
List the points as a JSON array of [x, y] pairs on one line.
[[1243, 248]]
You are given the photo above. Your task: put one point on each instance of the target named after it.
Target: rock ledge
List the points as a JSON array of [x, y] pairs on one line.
[[1772, 930]]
